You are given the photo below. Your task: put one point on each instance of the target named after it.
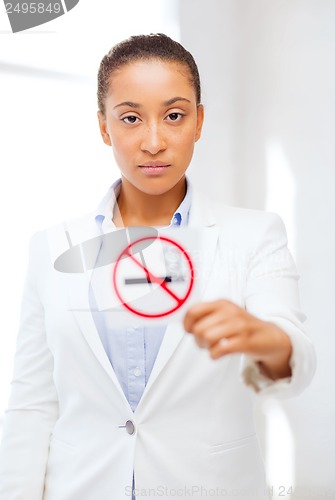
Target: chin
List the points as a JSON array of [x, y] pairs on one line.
[[155, 187]]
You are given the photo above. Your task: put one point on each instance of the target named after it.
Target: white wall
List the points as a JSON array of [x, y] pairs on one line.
[[269, 76]]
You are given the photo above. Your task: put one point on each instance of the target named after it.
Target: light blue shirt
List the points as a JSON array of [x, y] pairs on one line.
[[133, 351]]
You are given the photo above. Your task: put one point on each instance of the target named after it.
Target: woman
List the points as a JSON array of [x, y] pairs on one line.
[[99, 411]]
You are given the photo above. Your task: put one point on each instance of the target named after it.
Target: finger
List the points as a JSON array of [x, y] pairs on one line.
[[198, 311], [224, 346], [217, 330], [205, 340], [232, 326], [206, 323]]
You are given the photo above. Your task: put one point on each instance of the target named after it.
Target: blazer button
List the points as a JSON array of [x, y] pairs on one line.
[[130, 427]]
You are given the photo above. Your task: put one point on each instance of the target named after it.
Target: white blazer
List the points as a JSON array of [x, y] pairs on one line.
[[194, 436]]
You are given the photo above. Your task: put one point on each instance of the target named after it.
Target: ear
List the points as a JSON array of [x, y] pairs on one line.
[[103, 129], [200, 121]]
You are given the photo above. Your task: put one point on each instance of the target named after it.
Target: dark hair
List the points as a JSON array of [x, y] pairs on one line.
[[144, 47]]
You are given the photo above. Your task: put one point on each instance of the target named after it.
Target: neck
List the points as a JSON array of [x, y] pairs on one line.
[[137, 208]]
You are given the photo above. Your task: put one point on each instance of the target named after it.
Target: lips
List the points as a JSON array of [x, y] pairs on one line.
[[154, 164], [154, 167]]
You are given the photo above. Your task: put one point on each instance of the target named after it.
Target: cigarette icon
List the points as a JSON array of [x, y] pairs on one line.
[[141, 281]]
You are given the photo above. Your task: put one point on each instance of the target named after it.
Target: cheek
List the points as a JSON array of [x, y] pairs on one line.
[[123, 141], [184, 142]]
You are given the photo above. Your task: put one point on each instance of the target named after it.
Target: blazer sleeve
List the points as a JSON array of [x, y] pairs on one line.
[[33, 406], [272, 294]]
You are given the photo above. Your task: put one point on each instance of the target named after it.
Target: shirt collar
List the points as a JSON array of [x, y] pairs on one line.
[[106, 208]]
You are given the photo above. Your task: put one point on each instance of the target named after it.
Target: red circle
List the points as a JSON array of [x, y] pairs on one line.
[[180, 301]]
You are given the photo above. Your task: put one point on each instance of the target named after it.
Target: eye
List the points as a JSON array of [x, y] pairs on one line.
[[174, 117], [131, 119]]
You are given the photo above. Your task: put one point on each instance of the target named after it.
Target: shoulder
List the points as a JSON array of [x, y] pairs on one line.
[[250, 222], [55, 239], [246, 222]]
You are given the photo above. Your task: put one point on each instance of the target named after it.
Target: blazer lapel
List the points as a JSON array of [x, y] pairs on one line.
[[79, 289], [68, 244], [202, 215]]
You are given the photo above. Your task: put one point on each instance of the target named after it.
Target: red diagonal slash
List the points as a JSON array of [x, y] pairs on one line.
[[154, 279]]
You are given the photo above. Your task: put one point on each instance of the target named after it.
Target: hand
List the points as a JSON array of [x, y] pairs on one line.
[[225, 328]]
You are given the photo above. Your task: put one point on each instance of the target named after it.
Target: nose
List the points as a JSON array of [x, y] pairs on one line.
[[153, 140]]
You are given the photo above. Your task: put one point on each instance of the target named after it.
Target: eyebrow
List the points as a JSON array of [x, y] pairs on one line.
[[165, 103], [175, 99], [129, 104]]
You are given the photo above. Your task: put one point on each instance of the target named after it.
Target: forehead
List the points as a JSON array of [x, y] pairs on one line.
[[151, 75]]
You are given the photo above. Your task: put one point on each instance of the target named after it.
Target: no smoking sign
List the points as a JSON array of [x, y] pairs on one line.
[[153, 277]]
